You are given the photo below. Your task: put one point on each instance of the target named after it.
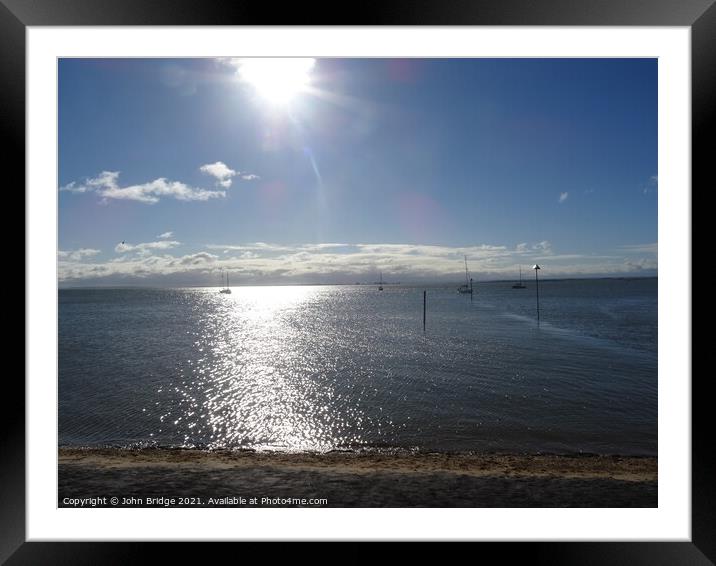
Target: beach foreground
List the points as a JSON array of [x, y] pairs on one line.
[[188, 478]]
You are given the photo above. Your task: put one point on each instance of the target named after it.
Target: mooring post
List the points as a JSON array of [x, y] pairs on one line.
[[537, 268], [425, 300]]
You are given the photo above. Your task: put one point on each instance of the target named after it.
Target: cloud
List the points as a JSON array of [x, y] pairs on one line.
[[563, 197], [256, 246], [105, 185], [73, 187], [652, 185], [165, 235], [641, 248], [161, 245], [151, 192], [544, 247], [198, 258], [104, 179], [639, 265], [220, 171], [267, 263], [139, 268], [77, 255]]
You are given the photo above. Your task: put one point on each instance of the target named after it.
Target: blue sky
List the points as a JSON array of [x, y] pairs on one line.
[[171, 171]]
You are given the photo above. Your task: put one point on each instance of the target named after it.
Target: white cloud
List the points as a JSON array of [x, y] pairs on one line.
[[261, 262], [73, 187], [165, 235], [256, 246], [151, 192], [521, 248], [641, 248], [105, 185], [563, 197], [639, 265], [103, 180], [652, 185], [544, 247], [161, 245], [77, 255], [198, 259], [220, 171]]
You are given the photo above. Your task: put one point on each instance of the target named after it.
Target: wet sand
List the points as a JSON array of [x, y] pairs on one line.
[[354, 479]]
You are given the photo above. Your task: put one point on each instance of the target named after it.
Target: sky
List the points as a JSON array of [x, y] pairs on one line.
[[281, 171]]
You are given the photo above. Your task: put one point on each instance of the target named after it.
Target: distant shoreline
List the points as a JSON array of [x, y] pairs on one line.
[[362, 479], [387, 284]]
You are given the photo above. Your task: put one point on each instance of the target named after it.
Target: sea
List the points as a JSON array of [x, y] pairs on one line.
[[349, 367]]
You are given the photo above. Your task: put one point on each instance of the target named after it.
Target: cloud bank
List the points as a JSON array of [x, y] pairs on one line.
[[150, 263], [76, 255]]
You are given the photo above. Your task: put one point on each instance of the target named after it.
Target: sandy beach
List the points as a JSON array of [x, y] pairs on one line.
[[185, 478]]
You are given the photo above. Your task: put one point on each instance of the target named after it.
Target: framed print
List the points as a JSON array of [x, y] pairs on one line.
[[392, 279]]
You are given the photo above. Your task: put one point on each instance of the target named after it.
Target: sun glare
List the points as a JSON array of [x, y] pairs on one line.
[[277, 80]]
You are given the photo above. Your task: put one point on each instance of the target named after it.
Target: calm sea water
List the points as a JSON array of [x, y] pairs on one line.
[[345, 367]]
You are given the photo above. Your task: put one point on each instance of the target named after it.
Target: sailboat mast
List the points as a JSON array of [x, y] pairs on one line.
[[467, 280]]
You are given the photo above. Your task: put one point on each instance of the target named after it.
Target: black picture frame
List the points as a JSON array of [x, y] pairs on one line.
[[699, 15]]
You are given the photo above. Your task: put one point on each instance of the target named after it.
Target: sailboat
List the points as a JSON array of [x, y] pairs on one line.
[[467, 287], [380, 285], [519, 285], [226, 289]]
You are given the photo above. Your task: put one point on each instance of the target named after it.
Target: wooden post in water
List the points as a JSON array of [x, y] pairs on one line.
[[425, 300], [537, 268]]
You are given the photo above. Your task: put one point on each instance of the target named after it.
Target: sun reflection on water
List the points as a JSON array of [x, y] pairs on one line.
[[259, 378]]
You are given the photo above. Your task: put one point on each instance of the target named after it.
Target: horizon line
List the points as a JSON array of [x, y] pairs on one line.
[[355, 284]]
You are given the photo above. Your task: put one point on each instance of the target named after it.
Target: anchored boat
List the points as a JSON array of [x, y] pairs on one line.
[[467, 287], [519, 285]]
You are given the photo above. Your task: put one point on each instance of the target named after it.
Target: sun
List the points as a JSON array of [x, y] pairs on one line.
[[277, 80]]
